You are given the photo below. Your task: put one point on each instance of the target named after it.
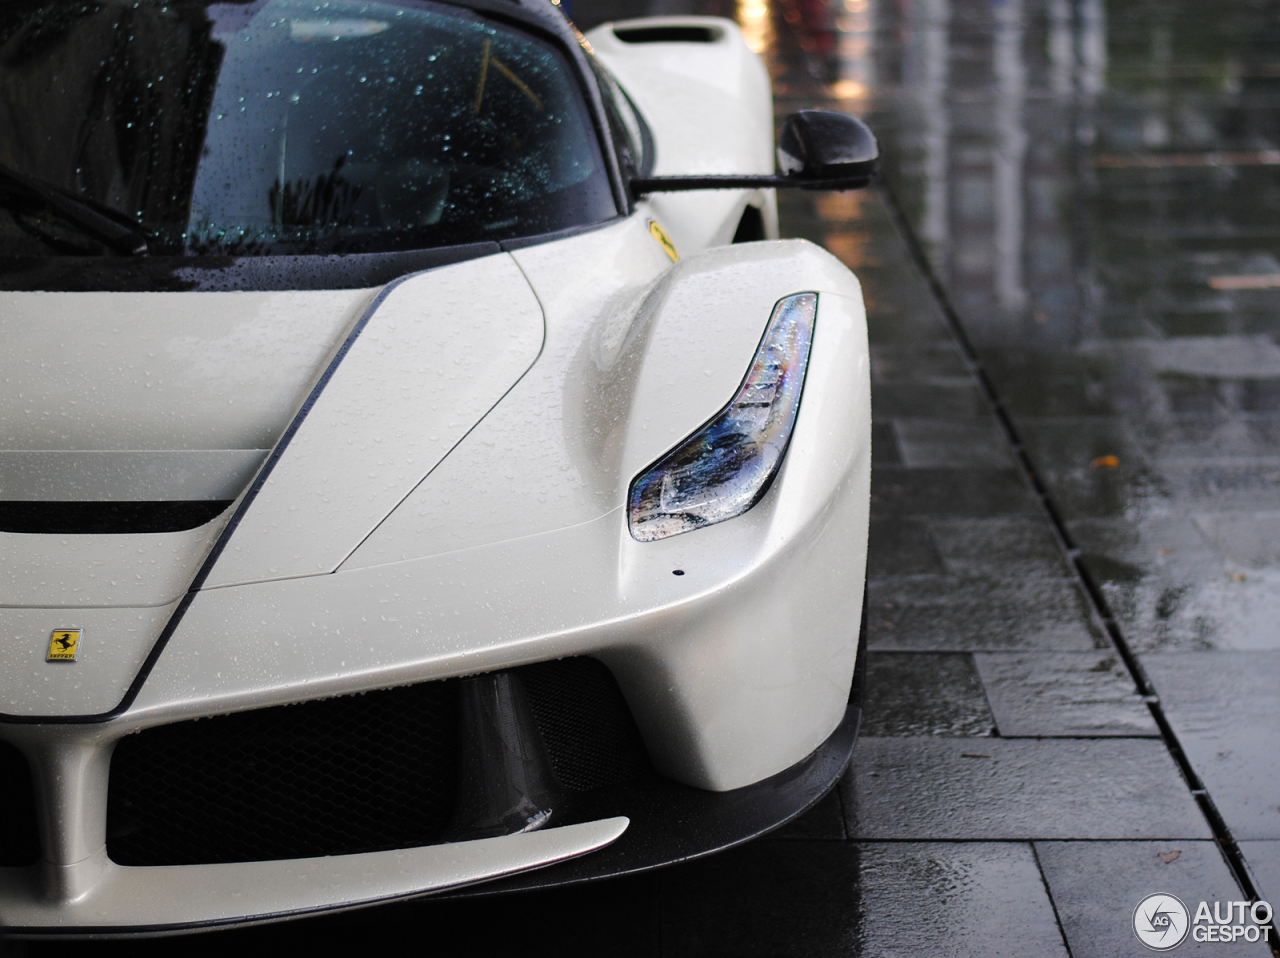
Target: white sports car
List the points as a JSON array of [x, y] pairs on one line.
[[422, 465]]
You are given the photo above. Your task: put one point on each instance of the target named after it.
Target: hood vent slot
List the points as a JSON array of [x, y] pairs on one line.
[[673, 33], [107, 518], [115, 492]]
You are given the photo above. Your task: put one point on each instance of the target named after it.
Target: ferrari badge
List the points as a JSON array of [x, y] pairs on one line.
[[63, 645], [668, 247]]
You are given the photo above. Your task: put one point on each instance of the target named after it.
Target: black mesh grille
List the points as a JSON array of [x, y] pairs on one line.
[[590, 736], [353, 774], [19, 841]]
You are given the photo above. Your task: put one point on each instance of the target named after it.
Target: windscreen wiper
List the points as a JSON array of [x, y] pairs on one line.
[[122, 238]]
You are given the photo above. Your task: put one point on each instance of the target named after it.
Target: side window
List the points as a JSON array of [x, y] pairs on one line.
[[631, 138]]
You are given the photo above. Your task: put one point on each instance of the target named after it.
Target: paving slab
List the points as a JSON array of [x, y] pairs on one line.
[[1225, 709], [941, 363], [808, 899], [961, 402], [950, 492], [1192, 439], [1222, 487], [1023, 547], [901, 546], [900, 310], [954, 614], [1042, 382], [1045, 694], [1065, 451], [956, 900], [1263, 859], [1215, 357], [1172, 590], [1248, 540], [937, 443], [889, 324], [1096, 886], [927, 789], [924, 693]]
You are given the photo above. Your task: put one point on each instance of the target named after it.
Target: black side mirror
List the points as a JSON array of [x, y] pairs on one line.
[[827, 147], [818, 150]]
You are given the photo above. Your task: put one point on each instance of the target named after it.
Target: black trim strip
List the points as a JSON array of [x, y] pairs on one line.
[[642, 186], [668, 33], [524, 242], [199, 274], [263, 474]]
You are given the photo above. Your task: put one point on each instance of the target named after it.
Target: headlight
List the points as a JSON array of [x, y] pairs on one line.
[[724, 468]]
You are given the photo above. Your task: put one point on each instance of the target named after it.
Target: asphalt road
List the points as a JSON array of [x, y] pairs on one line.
[[1073, 277]]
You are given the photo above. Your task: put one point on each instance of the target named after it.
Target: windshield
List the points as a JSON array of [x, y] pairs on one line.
[[281, 127]]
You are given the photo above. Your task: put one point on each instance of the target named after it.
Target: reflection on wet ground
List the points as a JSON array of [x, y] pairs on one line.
[[1093, 186]]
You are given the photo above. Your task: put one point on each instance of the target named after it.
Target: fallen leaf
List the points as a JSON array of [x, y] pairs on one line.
[[974, 755], [1105, 462], [1168, 857], [1236, 576], [1165, 552]]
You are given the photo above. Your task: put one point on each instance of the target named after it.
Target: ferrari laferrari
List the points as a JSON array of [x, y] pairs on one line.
[[423, 469]]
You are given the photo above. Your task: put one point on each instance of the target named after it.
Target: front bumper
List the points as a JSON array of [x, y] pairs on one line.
[[669, 823]]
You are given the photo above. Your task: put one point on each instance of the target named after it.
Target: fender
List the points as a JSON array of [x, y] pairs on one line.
[[618, 385]]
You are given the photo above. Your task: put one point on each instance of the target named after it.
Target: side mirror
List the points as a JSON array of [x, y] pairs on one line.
[[818, 150], [822, 146]]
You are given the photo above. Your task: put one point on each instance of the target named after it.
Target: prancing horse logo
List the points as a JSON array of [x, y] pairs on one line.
[[63, 645]]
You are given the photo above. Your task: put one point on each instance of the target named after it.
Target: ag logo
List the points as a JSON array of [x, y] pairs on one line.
[[63, 645], [1161, 922]]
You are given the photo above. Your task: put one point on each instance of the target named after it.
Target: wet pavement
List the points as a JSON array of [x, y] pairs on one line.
[[1073, 278]]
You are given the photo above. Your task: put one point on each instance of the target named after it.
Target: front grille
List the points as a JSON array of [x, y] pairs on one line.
[[19, 839], [353, 774], [360, 773], [590, 736]]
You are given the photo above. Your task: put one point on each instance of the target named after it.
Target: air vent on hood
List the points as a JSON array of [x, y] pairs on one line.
[[683, 33], [107, 518], [107, 491]]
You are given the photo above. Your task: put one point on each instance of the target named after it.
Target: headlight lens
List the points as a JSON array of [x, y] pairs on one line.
[[724, 468]]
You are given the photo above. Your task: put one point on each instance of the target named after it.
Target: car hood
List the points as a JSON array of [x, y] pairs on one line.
[[317, 412]]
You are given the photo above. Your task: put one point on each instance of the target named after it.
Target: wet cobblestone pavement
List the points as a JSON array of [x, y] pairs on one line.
[[1073, 277]]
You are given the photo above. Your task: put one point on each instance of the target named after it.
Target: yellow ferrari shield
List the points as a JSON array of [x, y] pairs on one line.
[[668, 247], [63, 645]]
